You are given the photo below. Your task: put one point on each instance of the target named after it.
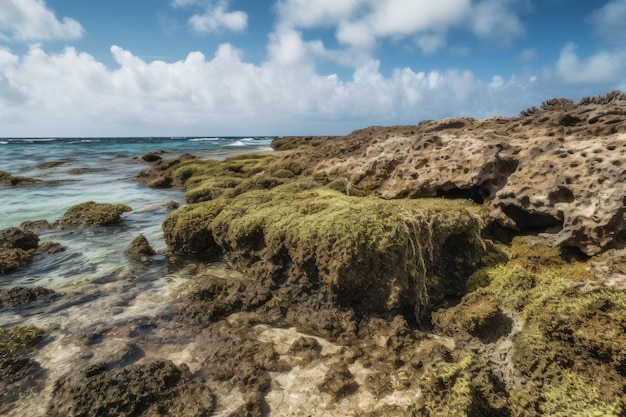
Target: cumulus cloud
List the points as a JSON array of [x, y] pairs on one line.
[[32, 20], [53, 94], [602, 67], [214, 17], [315, 13]]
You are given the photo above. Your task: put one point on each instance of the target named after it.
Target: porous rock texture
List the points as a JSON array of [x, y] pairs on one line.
[[559, 168]]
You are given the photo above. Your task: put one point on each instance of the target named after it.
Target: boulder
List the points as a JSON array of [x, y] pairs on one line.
[[91, 214], [139, 247]]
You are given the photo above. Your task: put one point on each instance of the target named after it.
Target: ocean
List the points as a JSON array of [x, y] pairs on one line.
[[102, 290]]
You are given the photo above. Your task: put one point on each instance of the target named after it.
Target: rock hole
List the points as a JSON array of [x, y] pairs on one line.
[[526, 221], [561, 195]]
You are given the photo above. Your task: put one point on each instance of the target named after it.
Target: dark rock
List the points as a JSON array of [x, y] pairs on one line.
[[155, 388], [139, 247], [8, 179], [151, 157], [21, 295], [172, 205], [18, 239]]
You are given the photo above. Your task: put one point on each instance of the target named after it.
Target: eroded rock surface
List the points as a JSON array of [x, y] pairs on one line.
[[558, 168], [91, 214]]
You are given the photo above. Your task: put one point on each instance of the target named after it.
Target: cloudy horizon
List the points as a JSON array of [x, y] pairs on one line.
[[294, 67]]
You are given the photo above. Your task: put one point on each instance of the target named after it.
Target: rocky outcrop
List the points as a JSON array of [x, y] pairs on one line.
[[370, 254], [18, 247], [91, 214], [557, 169]]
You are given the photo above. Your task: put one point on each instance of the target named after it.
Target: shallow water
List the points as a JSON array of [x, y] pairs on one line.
[[112, 309]]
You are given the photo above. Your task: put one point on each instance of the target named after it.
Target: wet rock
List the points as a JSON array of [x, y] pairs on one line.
[[139, 248], [8, 179], [18, 247], [18, 239], [339, 382], [17, 374], [212, 299], [34, 225], [155, 388], [21, 295], [172, 205], [91, 214], [151, 157], [12, 259]]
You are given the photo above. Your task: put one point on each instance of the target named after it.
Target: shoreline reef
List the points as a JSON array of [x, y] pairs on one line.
[[458, 267]]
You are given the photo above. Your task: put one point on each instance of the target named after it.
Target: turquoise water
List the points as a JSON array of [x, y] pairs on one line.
[[102, 291]]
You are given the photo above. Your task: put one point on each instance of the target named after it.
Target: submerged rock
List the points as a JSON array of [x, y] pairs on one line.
[[21, 295], [18, 375], [91, 214], [155, 388], [8, 179], [18, 248]]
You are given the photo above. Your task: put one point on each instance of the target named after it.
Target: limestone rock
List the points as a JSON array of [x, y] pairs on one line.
[[558, 169]]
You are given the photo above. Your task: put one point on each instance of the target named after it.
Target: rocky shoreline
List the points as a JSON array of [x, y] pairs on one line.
[[457, 267]]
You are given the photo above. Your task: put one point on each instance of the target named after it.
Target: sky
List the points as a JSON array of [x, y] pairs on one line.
[[294, 67]]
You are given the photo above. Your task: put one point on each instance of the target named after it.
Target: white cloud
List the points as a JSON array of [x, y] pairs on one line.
[[314, 13], [218, 18], [214, 17], [53, 94], [603, 67], [496, 82], [32, 20], [495, 19], [402, 18]]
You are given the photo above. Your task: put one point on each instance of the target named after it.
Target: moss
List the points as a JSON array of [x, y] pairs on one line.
[[18, 339], [93, 214], [571, 350], [462, 388], [380, 255]]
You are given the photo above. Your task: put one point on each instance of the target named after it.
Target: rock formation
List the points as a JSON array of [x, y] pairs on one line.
[[18, 247], [557, 169]]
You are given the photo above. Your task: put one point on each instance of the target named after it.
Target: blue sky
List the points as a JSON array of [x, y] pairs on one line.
[[280, 67]]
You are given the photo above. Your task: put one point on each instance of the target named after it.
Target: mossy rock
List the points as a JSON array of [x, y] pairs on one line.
[[92, 214], [375, 255], [8, 179], [570, 353], [139, 248], [18, 339]]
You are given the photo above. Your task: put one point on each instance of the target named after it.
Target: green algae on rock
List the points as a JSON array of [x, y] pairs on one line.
[[376, 255], [567, 355], [18, 339], [92, 214]]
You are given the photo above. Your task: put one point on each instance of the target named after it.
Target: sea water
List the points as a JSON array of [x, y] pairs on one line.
[[102, 292]]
